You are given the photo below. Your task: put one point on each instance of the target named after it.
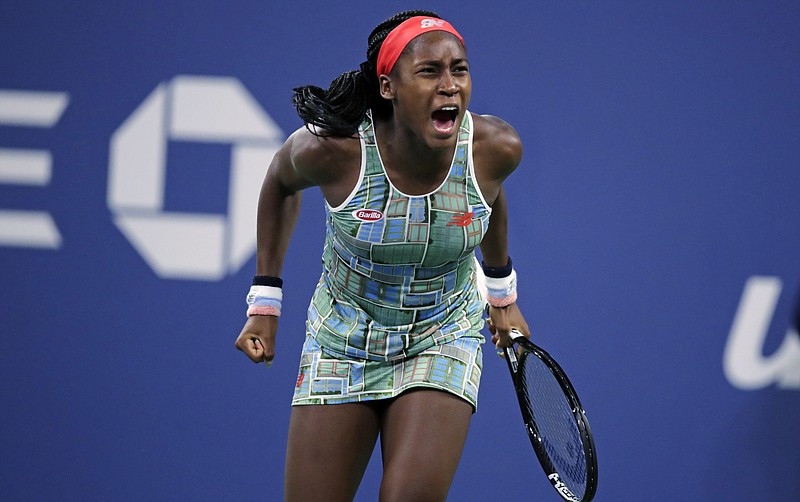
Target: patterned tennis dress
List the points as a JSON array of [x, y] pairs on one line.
[[396, 306]]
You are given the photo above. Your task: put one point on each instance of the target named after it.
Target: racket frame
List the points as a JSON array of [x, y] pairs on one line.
[[587, 441]]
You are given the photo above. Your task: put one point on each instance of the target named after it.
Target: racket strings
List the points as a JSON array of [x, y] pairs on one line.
[[554, 418]]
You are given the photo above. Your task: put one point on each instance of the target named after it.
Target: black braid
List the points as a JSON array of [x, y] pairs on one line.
[[339, 110]]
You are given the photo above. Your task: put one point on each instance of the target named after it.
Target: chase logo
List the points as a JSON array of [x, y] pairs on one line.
[[195, 109]]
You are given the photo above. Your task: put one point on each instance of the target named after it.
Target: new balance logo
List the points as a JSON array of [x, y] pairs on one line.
[[430, 23], [461, 220]]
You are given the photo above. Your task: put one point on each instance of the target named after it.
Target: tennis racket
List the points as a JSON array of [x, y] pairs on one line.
[[554, 419]]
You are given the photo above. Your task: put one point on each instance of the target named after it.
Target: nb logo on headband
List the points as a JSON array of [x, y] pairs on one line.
[[430, 23]]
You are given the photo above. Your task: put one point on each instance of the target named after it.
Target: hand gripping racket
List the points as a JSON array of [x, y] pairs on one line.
[[554, 419]]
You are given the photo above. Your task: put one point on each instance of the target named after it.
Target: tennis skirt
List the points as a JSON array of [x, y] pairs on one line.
[[453, 367]]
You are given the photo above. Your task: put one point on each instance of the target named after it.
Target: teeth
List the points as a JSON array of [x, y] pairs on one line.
[[449, 108]]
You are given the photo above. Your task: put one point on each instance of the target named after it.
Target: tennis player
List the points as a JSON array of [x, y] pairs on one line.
[[413, 185]]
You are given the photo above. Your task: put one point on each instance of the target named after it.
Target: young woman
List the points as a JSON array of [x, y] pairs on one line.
[[413, 184]]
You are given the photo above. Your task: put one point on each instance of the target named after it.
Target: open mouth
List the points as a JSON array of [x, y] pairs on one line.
[[445, 118]]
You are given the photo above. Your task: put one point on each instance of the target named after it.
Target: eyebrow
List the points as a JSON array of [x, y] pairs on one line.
[[438, 62]]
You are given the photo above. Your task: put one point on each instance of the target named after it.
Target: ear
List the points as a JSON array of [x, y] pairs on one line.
[[385, 87]]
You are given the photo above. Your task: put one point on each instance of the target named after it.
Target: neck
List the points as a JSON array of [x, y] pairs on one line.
[[404, 153]]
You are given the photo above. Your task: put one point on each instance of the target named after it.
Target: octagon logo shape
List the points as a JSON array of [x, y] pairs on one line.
[[197, 109]]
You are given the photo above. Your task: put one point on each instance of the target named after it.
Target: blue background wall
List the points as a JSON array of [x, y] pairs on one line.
[[656, 223]]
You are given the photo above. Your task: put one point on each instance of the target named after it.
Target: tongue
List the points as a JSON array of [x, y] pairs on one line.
[[442, 120]]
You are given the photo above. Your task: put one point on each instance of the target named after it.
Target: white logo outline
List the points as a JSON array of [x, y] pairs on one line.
[[198, 109], [744, 364]]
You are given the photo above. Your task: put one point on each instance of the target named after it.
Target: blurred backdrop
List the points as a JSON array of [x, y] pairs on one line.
[[655, 227]]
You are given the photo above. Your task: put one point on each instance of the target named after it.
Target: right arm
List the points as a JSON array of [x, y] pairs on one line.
[[278, 209], [303, 161]]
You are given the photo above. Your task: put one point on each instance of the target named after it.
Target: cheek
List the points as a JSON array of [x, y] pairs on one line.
[[466, 94], [414, 99]]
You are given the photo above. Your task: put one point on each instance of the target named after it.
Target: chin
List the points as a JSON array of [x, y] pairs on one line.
[[439, 140]]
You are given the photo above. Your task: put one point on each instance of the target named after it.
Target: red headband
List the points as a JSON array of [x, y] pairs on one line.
[[405, 32]]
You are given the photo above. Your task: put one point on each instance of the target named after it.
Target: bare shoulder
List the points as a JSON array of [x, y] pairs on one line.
[[322, 160], [496, 145], [306, 159]]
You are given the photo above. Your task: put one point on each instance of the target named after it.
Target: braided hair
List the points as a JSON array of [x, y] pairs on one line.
[[339, 110]]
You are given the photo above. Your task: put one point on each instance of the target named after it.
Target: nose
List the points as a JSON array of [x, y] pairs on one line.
[[448, 84]]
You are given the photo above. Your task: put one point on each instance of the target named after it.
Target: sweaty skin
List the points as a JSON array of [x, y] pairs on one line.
[[429, 89]]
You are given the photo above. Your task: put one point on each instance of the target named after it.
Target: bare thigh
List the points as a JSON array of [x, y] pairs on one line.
[[328, 451], [422, 437]]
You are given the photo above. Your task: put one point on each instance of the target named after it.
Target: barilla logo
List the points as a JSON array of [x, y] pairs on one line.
[[430, 23], [367, 214]]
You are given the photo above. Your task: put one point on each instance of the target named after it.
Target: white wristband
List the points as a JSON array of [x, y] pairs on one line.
[[264, 300], [502, 291]]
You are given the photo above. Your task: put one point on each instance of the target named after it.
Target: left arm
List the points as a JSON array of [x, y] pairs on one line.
[[494, 249], [497, 153]]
